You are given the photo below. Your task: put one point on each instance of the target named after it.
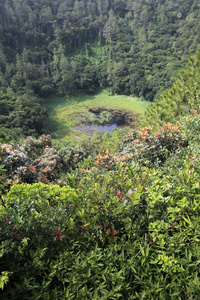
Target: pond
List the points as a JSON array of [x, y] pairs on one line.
[[103, 121], [90, 129]]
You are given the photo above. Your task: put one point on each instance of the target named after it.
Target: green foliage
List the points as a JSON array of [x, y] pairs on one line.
[[180, 100], [2, 181], [4, 135], [127, 46], [190, 128], [129, 233], [125, 234], [69, 113], [24, 114], [43, 195], [70, 157], [145, 148], [100, 141], [37, 160]]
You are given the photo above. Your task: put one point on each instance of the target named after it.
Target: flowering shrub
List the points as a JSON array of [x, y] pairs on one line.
[[34, 147], [150, 148], [70, 157], [48, 164], [26, 173], [13, 157], [144, 147], [37, 160]]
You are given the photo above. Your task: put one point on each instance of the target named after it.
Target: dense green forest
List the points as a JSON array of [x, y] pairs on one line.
[[139, 45], [131, 47], [118, 217], [122, 225]]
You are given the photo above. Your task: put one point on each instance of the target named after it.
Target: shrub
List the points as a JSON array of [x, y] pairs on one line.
[[144, 147], [70, 157], [125, 234], [34, 147], [37, 160], [131, 232], [154, 148]]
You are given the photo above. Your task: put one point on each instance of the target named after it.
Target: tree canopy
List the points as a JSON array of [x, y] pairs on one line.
[[130, 46]]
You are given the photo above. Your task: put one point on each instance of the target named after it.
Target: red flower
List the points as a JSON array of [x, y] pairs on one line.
[[79, 184], [58, 234], [114, 232], [104, 225]]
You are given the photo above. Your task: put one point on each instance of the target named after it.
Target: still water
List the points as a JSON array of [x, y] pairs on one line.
[[90, 129]]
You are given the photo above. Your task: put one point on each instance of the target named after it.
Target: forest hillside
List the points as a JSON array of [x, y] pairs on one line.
[[121, 225], [132, 47], [123, 222], [129, 46]]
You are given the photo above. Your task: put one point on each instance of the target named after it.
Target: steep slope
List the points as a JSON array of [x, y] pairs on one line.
[[182, 99], [132, 47]]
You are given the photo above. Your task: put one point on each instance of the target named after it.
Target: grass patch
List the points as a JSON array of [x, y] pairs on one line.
[[68, 111], [133, 104]]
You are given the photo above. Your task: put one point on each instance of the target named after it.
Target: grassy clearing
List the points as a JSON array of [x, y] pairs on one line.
[[133, 104], [69, 111]]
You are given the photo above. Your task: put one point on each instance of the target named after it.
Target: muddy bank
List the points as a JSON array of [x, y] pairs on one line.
[[120, 117]]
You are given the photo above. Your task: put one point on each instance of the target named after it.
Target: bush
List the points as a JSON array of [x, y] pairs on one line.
[[36, 160], [145, 148], [114, 235], [131, 232]]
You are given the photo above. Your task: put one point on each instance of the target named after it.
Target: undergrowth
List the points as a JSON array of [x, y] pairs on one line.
[[131, 232]]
